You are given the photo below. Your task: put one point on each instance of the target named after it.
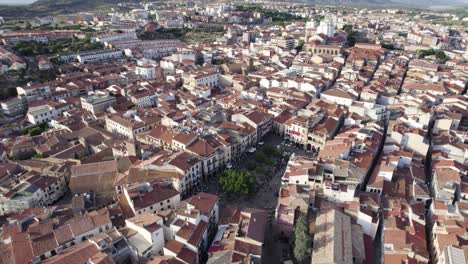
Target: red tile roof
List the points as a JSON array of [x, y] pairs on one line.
[[204, 202]]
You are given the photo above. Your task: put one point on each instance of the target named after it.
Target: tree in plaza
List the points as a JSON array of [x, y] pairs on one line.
[[441, 56], [250, 165], [301, 239], [239, 182], [260, 157], [270, 151], [260, 170]]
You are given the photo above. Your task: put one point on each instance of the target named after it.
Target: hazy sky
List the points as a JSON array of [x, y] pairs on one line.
[[16, 2]]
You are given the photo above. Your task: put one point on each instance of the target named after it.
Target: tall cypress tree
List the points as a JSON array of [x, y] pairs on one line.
[[301, 239]]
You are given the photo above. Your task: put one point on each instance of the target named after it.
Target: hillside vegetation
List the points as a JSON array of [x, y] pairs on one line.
[[56, 7]]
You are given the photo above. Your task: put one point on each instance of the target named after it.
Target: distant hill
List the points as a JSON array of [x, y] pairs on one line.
[[431, 3], [392, 3], [55, 7]]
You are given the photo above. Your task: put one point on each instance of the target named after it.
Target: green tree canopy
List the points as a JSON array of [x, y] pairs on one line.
[[57, 46], [276, 16], [260, 170], [261, 157], [441, 56], [238, 182], [351, 38], [388, 46], [35, 131], [38, 155], [300, 45], [301, 239], [424, 53], [271, 151], [319, 18], [348, 28], [250, 165]]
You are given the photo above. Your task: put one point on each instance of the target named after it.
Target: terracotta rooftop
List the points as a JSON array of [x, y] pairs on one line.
[[204, 202]]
